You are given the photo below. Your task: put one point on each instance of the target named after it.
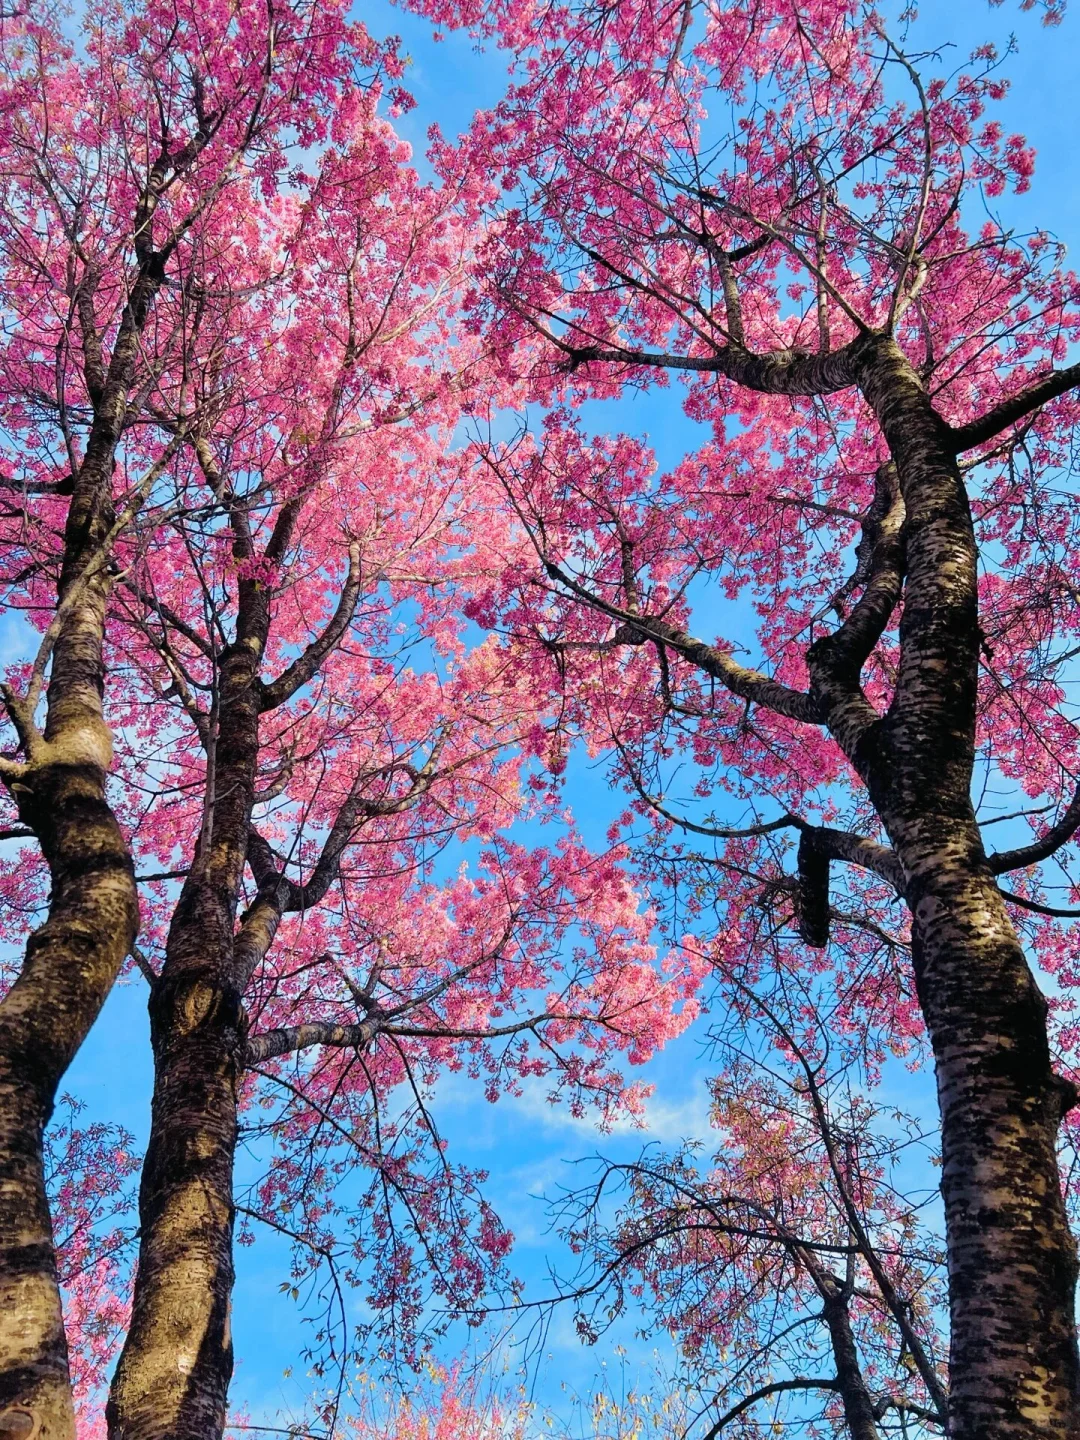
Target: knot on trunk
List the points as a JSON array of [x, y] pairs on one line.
[[193, 1004], [17, 1424]]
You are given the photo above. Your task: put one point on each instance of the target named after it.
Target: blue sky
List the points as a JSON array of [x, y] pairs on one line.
[[528, 1147]]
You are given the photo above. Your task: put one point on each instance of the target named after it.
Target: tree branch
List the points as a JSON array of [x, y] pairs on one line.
[[1007, 412], [279, 894], [857, 850], [1052, 910], [288, 1038], [1041, 849], [167, 615], [276, 692], [747, 684], [779, 372], [778, 1387], [836, 660], [812, 896]]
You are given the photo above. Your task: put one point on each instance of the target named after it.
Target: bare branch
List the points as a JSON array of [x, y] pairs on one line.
[[1007, 412], [778, 1387], [1041, 849], [288, 1038], [1025, 904]]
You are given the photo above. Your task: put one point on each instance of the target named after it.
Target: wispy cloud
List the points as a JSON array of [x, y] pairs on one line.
[[666, 1119]]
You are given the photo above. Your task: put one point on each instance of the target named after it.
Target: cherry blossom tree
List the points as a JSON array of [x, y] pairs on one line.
[[787, 208], [240, 542]]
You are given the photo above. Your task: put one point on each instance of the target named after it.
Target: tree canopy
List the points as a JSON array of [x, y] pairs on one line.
[[323, 572]]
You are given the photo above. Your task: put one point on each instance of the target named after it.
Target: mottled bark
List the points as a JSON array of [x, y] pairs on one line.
[[71, 963], [1014, 1369], [1012, 1261], [173, 1375], [174, 1371]]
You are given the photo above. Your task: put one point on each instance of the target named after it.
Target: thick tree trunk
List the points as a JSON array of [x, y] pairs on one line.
[[71, 963], [72, 960], [34, 1388], [1012, 1261], [174, 1373], [1014, 1369], [173, 1376]]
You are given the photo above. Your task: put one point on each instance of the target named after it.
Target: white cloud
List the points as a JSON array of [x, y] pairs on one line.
[[666, 1120]]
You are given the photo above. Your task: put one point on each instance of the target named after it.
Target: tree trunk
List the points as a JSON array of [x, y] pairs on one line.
[[1014, 1369], [174, 1372], [1012, 1260], [71, 961], [173, 1376]]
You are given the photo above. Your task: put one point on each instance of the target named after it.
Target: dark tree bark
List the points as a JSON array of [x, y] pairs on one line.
[[71, 963], [1012, 1260], [1013, 1364]]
